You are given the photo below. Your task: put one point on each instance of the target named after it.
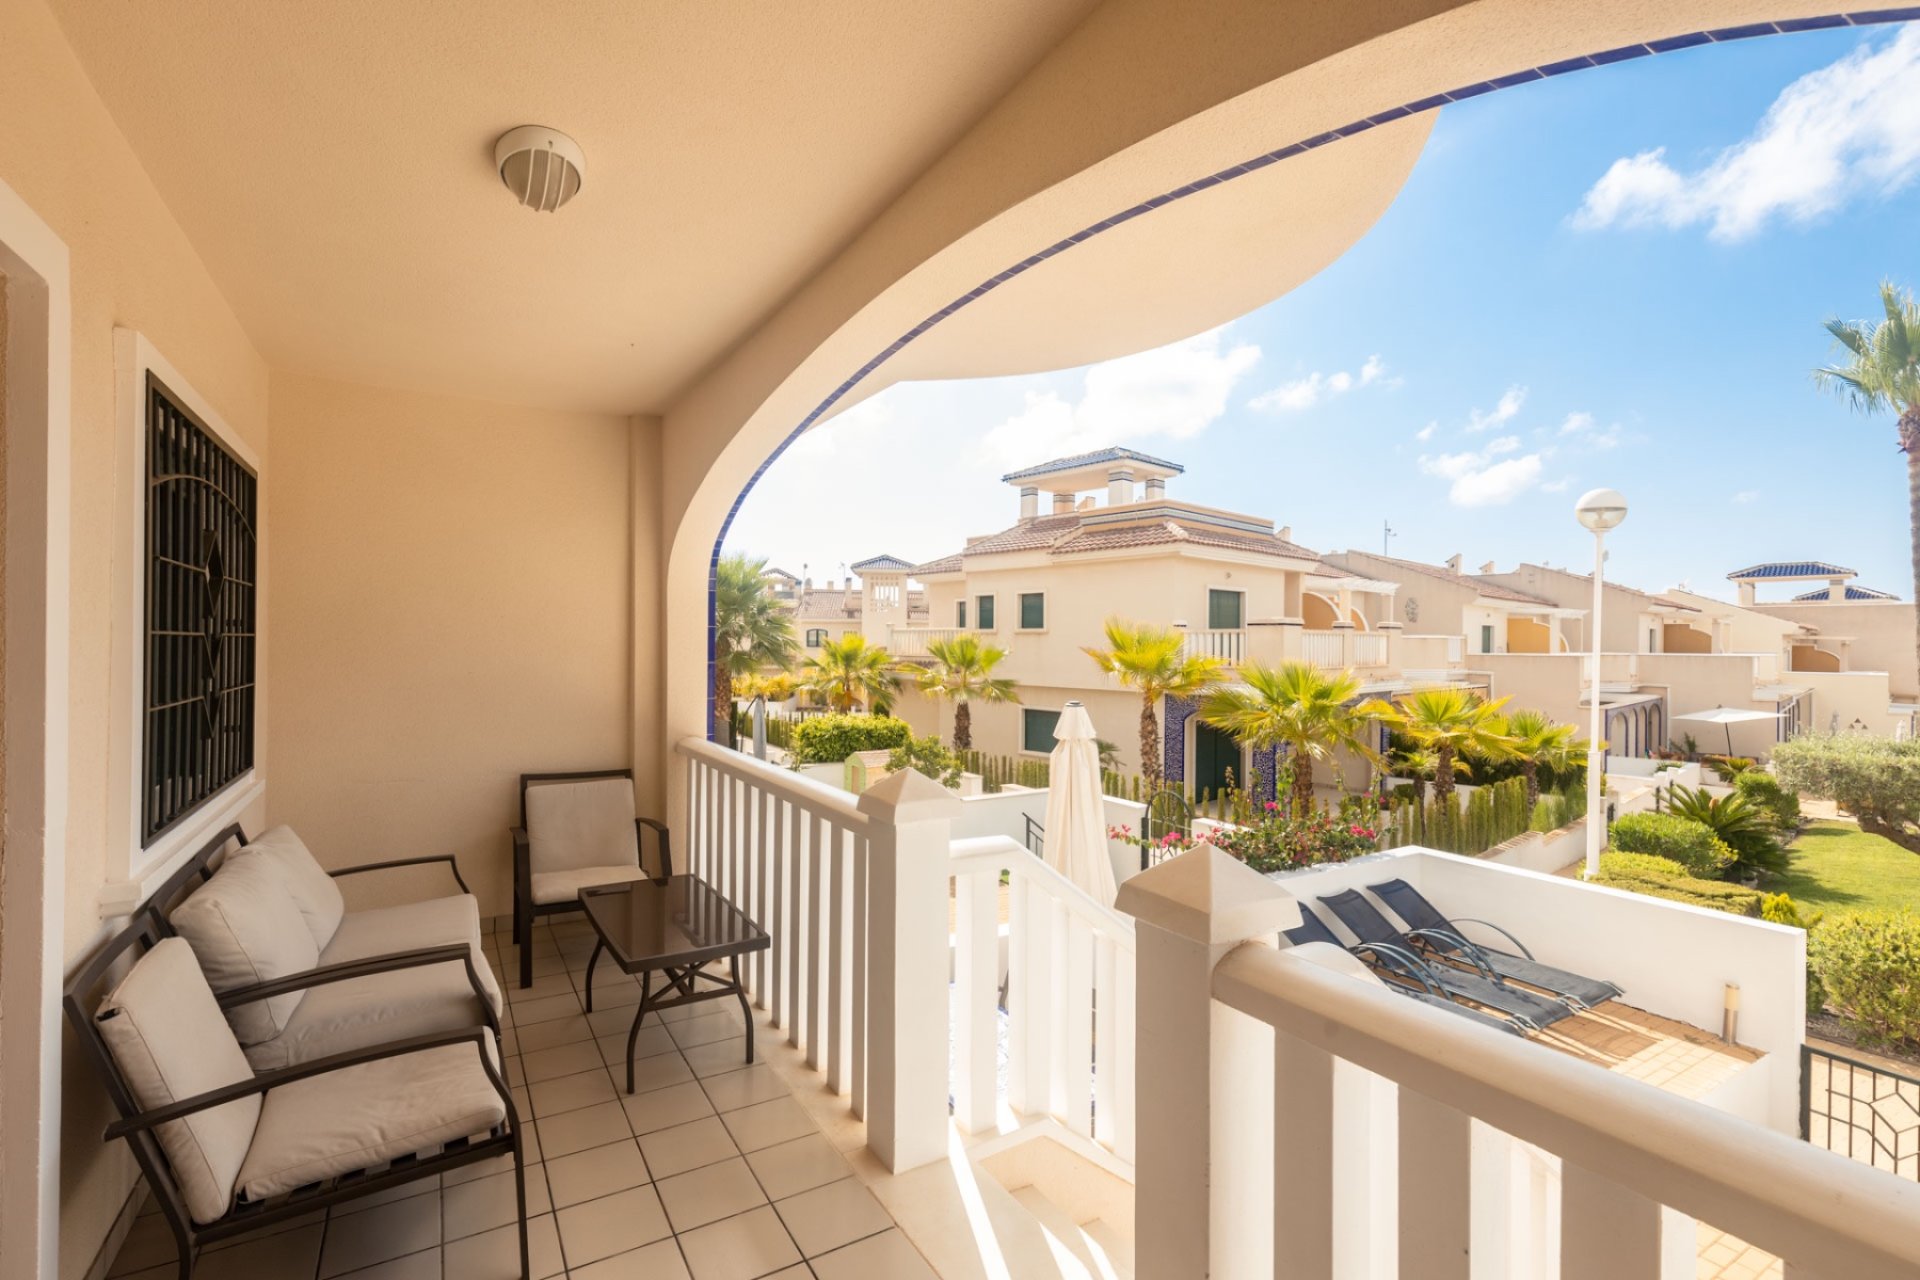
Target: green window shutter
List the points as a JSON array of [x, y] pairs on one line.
[[983, 613], [1033, 612], [1224, 610], [960, 614], [1486, 638], [1037, 729]]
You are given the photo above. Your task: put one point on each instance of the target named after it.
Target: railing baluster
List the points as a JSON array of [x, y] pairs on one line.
[[858, 921], [816, 945], [1607, 1232], [1303, 1156], [1030, 997], [1435, 1189], [836, 991], [777, 916], [799, 833], [1076, 1110], [1106, 1044], [1125, 1054], [976, 988], [763, 894]]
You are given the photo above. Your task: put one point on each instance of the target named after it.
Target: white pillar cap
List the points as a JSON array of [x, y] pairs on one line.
[[908, 796], [1210, 897]]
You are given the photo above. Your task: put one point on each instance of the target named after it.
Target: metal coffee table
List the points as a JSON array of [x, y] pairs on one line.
[[675, 926]]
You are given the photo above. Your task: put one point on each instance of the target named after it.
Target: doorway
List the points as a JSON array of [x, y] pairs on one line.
[[1216, 761]]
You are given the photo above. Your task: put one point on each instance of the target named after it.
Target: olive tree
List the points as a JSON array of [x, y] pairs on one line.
[[1876, 780]]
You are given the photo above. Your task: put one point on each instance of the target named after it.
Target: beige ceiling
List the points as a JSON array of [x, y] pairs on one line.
[[333, 165]]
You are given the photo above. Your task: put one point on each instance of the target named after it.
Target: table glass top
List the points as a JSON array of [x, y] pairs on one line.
[[677, 919]]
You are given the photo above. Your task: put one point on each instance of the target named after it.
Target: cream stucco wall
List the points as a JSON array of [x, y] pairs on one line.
[[451, 608], [1882, 632], [131, 266]]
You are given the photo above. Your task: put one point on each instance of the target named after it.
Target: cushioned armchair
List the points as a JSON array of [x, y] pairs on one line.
[[576, 830], [226, 1150]]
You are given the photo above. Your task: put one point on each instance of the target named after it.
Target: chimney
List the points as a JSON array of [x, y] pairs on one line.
[[1120, 487], [1029, 503], [1286, 533], [1086, 503], [1156, 488], [1453, 563], [1487, 567], [1062, 504]]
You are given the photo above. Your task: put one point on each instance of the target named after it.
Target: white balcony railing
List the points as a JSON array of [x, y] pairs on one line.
[[1070, 972], [1267, 1129], [1227, 644], [1324, 649], [912, 642], [1369, 650]]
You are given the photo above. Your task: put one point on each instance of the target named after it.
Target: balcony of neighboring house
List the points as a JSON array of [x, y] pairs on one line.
[[1824, 653]]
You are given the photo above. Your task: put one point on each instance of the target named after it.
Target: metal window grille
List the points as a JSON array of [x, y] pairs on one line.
[[202, 508]]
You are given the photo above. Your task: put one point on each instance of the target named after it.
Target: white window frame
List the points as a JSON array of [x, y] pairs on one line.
[[132, 871], [1019, 623]]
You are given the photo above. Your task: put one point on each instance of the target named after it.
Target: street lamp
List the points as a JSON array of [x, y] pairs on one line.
[[1599, 510]]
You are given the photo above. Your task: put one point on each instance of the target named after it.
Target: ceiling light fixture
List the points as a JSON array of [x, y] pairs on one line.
[[543, 167]]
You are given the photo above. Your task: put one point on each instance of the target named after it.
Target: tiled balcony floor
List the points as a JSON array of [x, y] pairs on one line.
[[712, 1170]]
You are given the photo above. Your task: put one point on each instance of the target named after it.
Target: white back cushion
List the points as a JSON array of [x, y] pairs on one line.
[[313, 891], [166, 1035], [244, 928], [588, 823]]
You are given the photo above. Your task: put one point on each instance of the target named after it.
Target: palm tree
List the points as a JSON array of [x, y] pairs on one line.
[[961, 671], [1451, 723], [1297, 705], [750, 631], [849, 672], [1152, 660], [1540, 742], [1881, 374]]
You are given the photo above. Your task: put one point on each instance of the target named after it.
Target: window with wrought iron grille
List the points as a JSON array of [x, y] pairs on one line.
[[201, 606]]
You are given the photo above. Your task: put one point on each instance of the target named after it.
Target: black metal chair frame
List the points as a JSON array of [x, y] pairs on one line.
[[525, 909], [138, 1126]]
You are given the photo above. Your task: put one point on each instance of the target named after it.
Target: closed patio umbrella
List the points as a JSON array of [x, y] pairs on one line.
[[1727, 717], [1076, 839]]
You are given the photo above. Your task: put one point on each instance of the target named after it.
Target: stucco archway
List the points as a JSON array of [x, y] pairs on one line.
[[1037, 180]]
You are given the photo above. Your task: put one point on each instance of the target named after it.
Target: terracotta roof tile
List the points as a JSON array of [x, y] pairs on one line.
[[1491, 590]]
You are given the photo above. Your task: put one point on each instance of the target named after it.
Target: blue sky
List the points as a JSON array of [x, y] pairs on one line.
[[1612, 278]]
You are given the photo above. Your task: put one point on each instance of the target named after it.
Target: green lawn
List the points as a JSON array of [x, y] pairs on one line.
[[1838, 868]]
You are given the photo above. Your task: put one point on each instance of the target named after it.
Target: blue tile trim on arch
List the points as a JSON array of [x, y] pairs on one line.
[[1863, 18]]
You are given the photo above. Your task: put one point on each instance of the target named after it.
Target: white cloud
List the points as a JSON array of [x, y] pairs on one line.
[[850, 432], [1747, 495], [1849, 129], [1317, 387], [1425, 433], [1575, 423], [1588, 432], [1557, 486], [1510, 401], [1173, 392], [1479, 481]]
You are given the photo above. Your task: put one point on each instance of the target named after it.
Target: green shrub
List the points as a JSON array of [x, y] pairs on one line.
[[1742, 825], [1869, 964], [1658, 877], [1729, 767], [1778, 908], [1764, 791], [830, 739], [930, 756], [1877, 780], [1691, 844]]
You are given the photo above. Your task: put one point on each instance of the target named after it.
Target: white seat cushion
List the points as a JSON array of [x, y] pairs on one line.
[[313, 891], [342, 1016], [581, 824], [362, 1116], [170, 1042], [409, 926], [565, 886], [244, 928]]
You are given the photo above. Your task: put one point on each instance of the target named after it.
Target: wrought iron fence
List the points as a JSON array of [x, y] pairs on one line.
[[1861, 1110]]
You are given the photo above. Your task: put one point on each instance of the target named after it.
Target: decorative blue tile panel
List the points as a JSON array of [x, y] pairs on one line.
[[1173, 738]]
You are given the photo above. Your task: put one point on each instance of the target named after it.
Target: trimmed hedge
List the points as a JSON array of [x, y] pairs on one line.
[[1664, 835], [1658, 877], [1869, 965], [830, 739]]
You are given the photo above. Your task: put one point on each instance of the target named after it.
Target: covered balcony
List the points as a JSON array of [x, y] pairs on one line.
[[476, 418]]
